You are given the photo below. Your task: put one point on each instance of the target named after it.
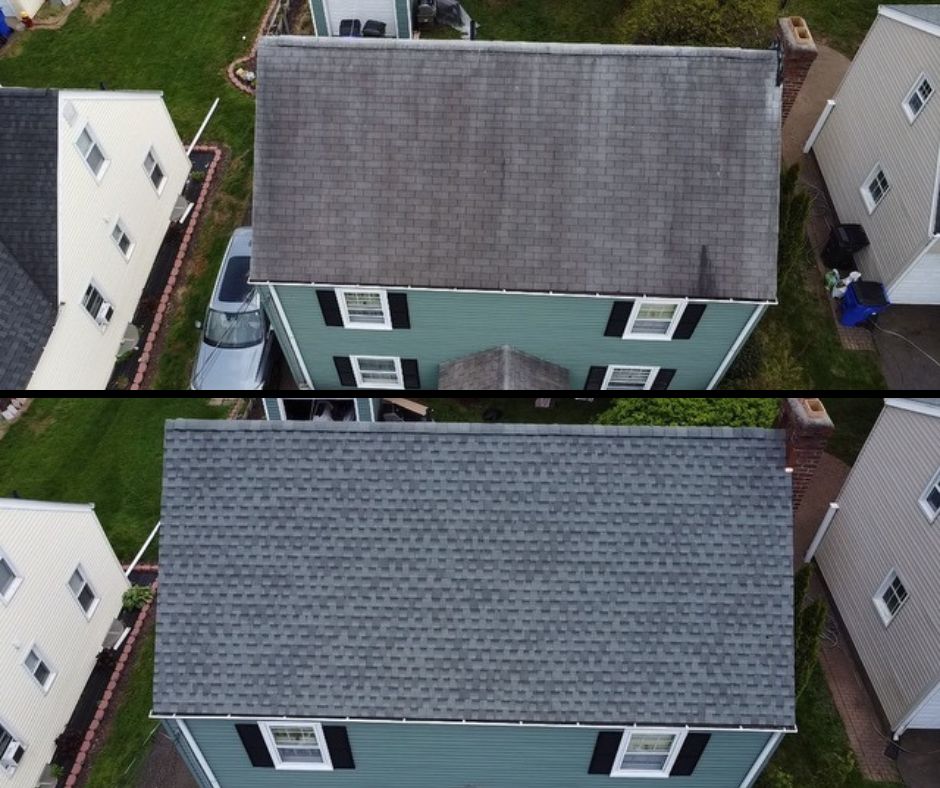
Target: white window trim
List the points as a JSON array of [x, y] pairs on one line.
[[870, 204], [344, 309], [265, 727], [10, 771], [130, 249], [94, 605], [634, 313], [886, 615], [53, 673], [17, 579], [911, 116], [153, 154], [924, 505], [653, 372], [102, 327], [86, 126], [678, 733], [354, 360]]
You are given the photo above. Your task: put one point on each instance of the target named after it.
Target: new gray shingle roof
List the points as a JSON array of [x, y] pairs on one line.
[[926, 13], [479, 572], [502, 368], [28, 229], [504, 165]]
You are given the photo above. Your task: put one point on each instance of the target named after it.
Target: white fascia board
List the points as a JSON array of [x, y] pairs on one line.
[[907, 19], [912, 405]]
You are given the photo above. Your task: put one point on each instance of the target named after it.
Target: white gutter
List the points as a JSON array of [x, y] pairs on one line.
[[202, 128], [142, 550], [821, 532], [758, 766], [290, 336], [915, 407], [820, 122], [203, 763], [746, 332]]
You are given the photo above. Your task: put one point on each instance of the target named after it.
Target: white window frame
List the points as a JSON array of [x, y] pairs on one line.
[[878, 599], [925, 506], [344, 308], [354, 360], [677, 742], [86, 127], [119, 225], [157, 163], [265, 727], [11, 770], [870, 204], [40, 655], [17, 579], [94, 605], [653, 372], [680, 304], [915, 88], [102, 327]]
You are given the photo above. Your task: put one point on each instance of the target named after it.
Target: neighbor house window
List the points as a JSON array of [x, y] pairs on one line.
[[96, 306], [890, 597], [10, 752], [647, 752], [930, 500], [122, 239], [875, 188], [39, 669], [364, 309], [154, 171], [629, 378], [377, 371], [918, 97], [82, 591], [9, 579], [654, 319], [296, 745], [91, 152]]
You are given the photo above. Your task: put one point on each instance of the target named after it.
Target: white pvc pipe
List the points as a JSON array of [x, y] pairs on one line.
[[142, 550], [202, 128]]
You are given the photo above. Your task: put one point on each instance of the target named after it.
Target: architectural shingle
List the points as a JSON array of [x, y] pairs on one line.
[[505, 165], [478, 572], [502, 368]]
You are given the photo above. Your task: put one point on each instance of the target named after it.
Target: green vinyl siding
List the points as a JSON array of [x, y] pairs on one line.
[[564, 330], [319, 18], [173, 730], [389, 755]]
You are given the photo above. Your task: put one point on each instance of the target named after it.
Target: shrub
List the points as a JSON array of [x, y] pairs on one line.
[[723, 23], [775, 777], [692, 412], [67, 744], [136, 597], [808, 622]]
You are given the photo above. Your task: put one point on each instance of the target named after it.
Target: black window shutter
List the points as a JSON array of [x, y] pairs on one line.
[[18, 754], [409, 373], [595, 378], [688, 756], [344, 370], [254, 745], [605, 750], [398, 310], [689, 320], [329, 306], [619, 315], [337, 742], [663, 379]]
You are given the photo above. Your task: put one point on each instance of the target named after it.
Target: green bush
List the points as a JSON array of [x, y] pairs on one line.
[[136, 597], [775, 777], [808, 622], [692, 412], [720, 23]]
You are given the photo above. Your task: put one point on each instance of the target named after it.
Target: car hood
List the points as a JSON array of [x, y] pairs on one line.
[[228, 368]]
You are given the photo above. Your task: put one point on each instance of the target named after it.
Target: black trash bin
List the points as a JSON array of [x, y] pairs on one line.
[[373, 29], [350, 28], [844, 241]]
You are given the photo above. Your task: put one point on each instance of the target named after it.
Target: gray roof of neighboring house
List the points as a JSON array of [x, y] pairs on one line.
[[479, 572], [926, 13], [506, 165], [28, 229], [502, 368]]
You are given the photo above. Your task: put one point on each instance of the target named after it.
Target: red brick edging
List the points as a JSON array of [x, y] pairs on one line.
[[265, 21], [108, 695], [144, 360]]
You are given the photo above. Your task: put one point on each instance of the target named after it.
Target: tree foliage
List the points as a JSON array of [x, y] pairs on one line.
[[719, 23], [692, 412]]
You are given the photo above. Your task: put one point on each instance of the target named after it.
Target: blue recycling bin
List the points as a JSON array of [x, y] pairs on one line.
[[5, 30], [862, 301]]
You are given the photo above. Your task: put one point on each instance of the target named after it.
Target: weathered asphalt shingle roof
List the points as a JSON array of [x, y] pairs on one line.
[[505, 165], [502, 368], [28, 229], [926, 13], [480, 572]]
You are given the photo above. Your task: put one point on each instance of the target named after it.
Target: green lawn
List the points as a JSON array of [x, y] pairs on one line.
[[854, 417], [546, 20], [516, 410], [182, 49], [105, 451], [841, 24]]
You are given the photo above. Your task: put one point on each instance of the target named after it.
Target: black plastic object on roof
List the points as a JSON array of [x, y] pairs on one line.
[[235, 287], [350, 27], [373, 29]]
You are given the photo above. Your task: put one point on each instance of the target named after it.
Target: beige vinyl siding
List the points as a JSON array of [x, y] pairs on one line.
[[880, 527], [868, 125], [920, 284], [45, 545]]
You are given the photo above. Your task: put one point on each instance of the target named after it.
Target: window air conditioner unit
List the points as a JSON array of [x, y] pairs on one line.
[[104, 313], [11, 755]]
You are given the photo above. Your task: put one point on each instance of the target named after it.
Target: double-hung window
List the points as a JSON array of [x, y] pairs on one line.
[[11, 751], [39, 669], [875, 188], [9, 579], [83, 592], [930, 500], [95, 305], [647, 752], [377, 371], [364, 309], [122, 239], [917, 97], [891, 595], [620, 378], [154, 171], [91, 152], [654, 319], [296, 745]]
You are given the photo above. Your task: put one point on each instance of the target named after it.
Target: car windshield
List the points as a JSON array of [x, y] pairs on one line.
[[234, 329]]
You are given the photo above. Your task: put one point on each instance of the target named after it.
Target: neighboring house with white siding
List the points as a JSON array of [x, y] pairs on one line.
[[877, 144], [84, 209], [879, 549], [60, 591]]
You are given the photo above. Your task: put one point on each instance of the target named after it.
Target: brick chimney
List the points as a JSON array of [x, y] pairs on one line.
[[808, 428], [798, 51]]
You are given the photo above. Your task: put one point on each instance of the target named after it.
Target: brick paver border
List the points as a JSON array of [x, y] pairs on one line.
[[265, 21]]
